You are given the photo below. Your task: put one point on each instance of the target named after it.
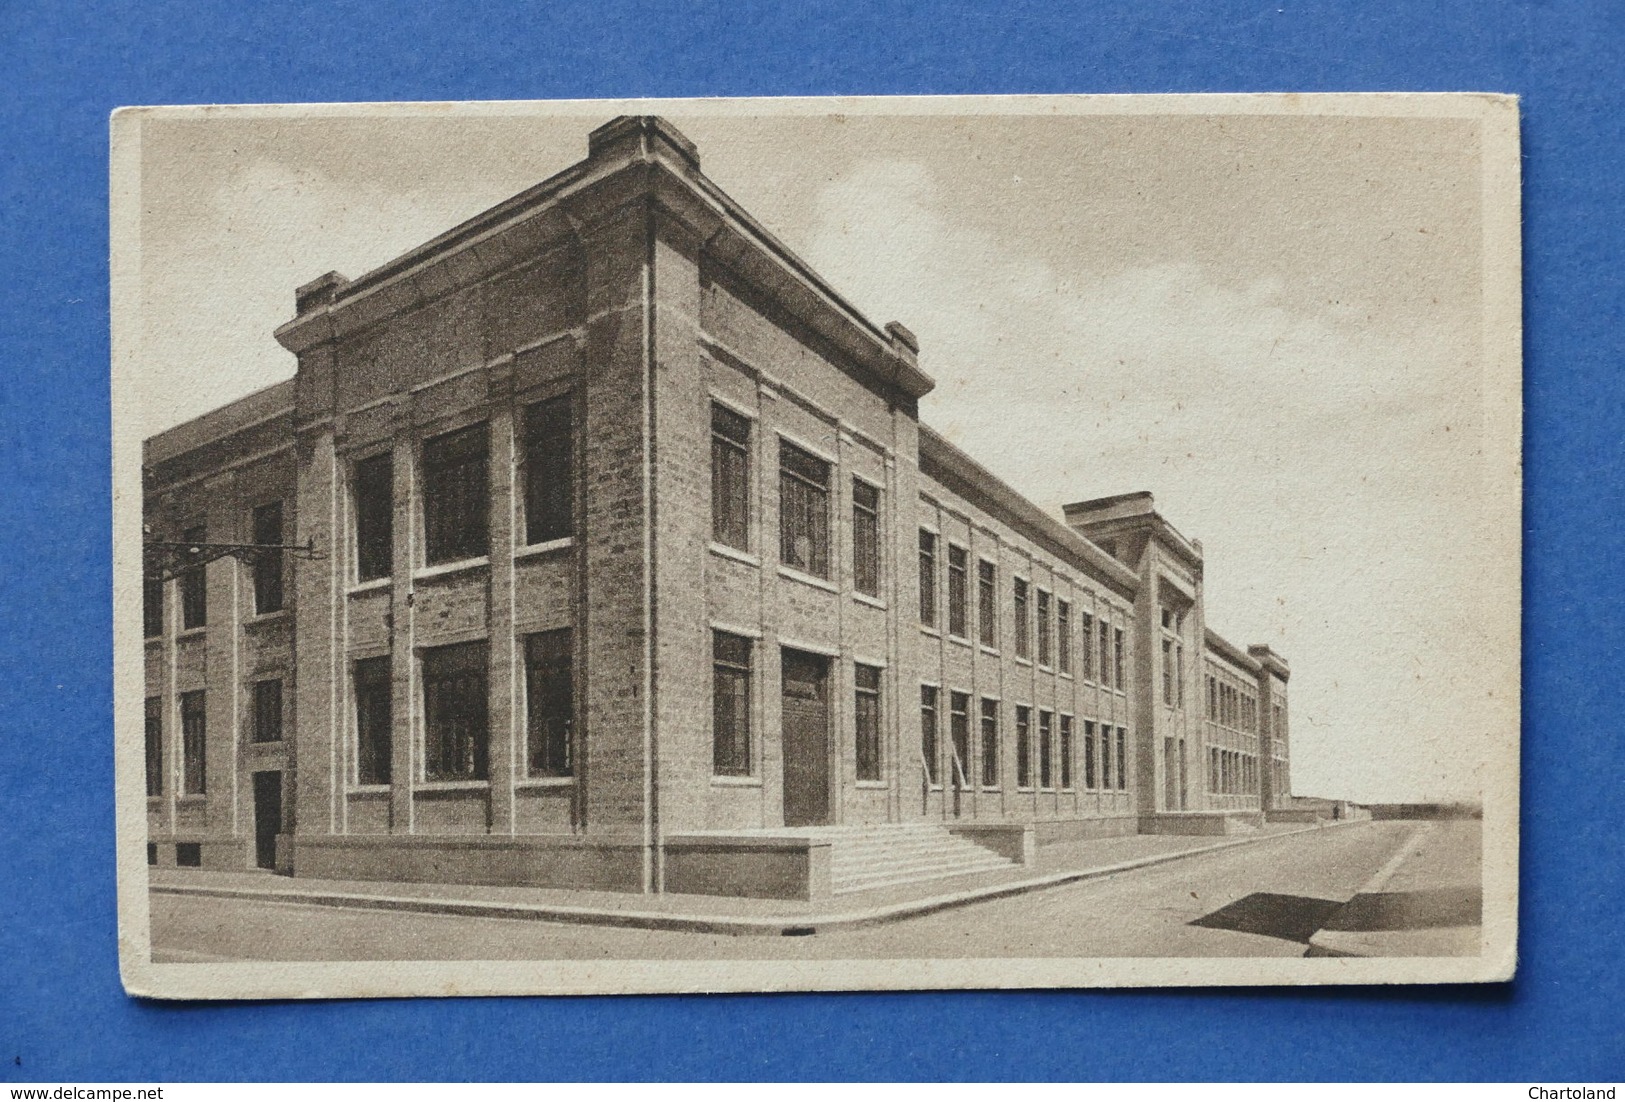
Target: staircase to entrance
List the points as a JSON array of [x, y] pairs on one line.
[[882, 856]]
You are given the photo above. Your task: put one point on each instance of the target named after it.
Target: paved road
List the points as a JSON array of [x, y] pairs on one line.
[[1265, 899]]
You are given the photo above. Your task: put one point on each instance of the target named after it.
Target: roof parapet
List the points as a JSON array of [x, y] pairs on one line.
[[1269, 660]]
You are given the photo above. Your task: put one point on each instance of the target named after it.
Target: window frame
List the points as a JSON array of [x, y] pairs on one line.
[[739, 674], [867, 738], [815, 510], [194, 583], [462, 674], [866, 539], [1046, 750], [930, 734], [1023, 721], [373, 683], [958, 595], [1043, 637], [1021, 630], [194, 743], [548, 467], [729, 479], [268, 716], [153, 724], [374, 520], [988, 743], [455, 506], [987, 603], [269, 595], [1063, 636], [546, 665]]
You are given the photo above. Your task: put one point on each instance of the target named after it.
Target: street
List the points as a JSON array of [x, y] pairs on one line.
[[1263, 899]]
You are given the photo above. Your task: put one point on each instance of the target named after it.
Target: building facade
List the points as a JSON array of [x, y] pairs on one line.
[[628, 564]]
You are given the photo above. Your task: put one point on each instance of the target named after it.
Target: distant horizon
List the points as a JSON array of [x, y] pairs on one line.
[[1267, 321]]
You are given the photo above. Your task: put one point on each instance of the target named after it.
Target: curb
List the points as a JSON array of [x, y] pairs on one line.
[[780, 926]]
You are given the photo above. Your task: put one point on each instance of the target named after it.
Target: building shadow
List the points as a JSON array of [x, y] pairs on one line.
[[1288, 917]]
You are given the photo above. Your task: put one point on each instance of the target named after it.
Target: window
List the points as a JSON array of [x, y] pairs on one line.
[[1168, 672], [866, 722], [928, 578], [1179, 675], [1105, 756], [1046, 749], [1066, 752], [990, 742], [268, 711], [1019, 608], [194, 732], [928, 732], [730, 705], [1024, 749], [1045, 644], [1122, 758], [1063, 636], [155, 746], [730, 477], [189, 855], [374, 516], [550, 708], [865, 538], [803, 511], [455, 496], [152, 607], [987, 601], [268, 564], [1105, 654], [959, 732], [194, 588], [1086, 654], [1089, 775], [374, 720], [1213, 698], [1118, 679], [456, 734], [549, 470], [958, 559], [1212, 768]]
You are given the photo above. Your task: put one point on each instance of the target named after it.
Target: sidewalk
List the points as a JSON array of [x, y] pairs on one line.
[[1427, 901], [1054, 865]]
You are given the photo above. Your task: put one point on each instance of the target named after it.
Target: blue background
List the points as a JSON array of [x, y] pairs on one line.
[[62, 1011]]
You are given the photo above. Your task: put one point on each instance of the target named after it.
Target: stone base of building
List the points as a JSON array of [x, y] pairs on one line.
[[1297, 814], [1201, 823], [229, 852], [1060, 831], [531, 861]]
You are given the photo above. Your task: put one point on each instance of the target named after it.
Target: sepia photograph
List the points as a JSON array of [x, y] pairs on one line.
[[809, 544]]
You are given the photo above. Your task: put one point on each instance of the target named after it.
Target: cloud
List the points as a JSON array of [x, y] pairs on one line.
[[1312, 446]]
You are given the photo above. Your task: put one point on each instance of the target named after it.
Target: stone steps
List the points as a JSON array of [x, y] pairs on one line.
[[863, 858]]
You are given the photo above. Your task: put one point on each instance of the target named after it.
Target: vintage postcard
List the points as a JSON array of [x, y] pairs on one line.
[[802, 544]]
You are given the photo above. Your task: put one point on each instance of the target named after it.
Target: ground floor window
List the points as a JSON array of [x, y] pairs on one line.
[[1046, 749], [194, 735], [866, 722], [268, 710], [373, 720], [549, 703], [928, 732], [959, 730], [1024, 747], [730, 705], [155, 746], [1090, 778], [1066, 751], [456, 730], [1122, 759], [990, 743]]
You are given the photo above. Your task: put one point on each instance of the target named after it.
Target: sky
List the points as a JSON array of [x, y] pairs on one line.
[[1270, 321]]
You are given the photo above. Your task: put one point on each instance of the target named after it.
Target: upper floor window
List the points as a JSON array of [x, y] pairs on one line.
[[1045, 640], [730, 705], [268, 564], [1086, 652], [549, 703], [987, 603], [928, 578], [1119, 660], [194, 584], [456, 496], [730, 477], [374, 516], [268, 711], [803, 511], [865, 538], [152, 607], [456, 731], [1022, 627], [1063, 637], [866, 722], [958, 613], [1105, 653], [549, 470]]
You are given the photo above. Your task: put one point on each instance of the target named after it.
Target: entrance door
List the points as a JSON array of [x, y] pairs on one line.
[[267, 817], [806, 738]]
